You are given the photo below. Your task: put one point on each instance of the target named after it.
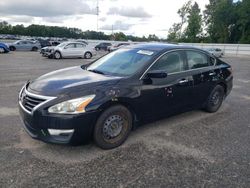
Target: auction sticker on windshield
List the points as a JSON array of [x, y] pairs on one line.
[[145, 52]]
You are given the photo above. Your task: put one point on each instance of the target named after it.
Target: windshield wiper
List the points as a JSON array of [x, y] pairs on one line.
[[96, 71]]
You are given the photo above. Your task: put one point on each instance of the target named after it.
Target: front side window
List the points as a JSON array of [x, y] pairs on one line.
[[70, 46], [197, 60], [170, 63]]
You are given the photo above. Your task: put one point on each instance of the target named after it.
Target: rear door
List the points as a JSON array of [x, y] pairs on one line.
[[200, 66], [80, 49]]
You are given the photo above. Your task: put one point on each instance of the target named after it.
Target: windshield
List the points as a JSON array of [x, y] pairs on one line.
[[123, 62], [61, 45]]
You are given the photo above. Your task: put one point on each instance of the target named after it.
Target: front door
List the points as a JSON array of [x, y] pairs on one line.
[[69, 50], [166, 96]]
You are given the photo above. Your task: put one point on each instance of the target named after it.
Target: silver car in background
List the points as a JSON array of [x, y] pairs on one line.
[[72, 50], [25, 45], [217, 52]]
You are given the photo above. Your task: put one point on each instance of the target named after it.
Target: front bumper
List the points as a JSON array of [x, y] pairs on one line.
[[229, 83], [77, 129]]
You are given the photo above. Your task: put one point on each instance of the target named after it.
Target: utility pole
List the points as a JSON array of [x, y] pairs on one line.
[[97, 15]]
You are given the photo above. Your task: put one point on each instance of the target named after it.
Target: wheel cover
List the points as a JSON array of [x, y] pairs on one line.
[[215, 99], [87, 55], [113, 126], [57, 55]]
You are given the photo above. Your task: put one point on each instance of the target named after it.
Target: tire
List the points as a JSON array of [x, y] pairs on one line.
[[34, 49], [57, 55], [113, 127], [215, 99], [12, 48], [87, 55], [2, 50]]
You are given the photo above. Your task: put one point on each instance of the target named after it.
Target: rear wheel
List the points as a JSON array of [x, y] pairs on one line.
[[87, 55], [113, 127], [34, 49], [57, 55], [215, 99]]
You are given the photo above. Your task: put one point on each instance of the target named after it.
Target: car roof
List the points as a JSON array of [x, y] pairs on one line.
[[73, 42], [159, 46]]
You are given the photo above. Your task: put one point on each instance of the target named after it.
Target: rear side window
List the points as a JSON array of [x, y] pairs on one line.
[[197, 60], [171, 63], [80, 45]]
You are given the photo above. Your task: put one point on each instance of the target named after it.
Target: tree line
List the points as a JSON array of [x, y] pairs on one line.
[[64, 32], [222, 21]]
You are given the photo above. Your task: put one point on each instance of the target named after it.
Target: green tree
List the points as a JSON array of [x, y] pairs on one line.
[[243, 22], [183, 13], [220, 18], [194, 27], [173, 33]]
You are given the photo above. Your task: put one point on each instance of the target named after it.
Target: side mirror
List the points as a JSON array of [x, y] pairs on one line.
[[157, 74]]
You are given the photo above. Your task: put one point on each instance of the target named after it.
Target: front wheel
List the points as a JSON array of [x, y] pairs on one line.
[[2, 50], [215, 99], [12, 48], [112, 127], [57, 55]]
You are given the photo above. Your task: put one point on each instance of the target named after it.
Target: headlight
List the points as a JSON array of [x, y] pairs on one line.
[[74, 106]]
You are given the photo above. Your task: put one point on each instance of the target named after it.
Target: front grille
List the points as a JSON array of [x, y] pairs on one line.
[[29, 102]]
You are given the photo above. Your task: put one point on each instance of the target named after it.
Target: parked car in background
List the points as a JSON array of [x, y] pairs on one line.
[[4, 48], [44, 43], [71, 49], [117, 46], [54, 43], [217, 52], [106, 99], [103, 46], [26, 45], [47, 51]]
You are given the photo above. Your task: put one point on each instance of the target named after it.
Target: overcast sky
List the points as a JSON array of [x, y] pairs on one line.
[[136, 17]]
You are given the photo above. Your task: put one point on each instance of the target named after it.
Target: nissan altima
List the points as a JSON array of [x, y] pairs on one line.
[[105, 100]]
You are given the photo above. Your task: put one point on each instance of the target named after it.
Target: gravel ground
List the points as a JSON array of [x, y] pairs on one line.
[[194, 149]]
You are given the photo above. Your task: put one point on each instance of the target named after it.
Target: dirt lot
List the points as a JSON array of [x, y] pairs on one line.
[[194, 149]]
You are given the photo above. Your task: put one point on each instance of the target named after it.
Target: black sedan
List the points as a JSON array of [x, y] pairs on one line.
[[105, 100], [103, 46]]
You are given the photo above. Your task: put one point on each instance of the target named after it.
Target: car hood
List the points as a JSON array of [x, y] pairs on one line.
[[48, 47], [65, 81]]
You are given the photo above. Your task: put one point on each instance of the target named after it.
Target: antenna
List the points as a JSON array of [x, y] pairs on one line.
[[97, 15]]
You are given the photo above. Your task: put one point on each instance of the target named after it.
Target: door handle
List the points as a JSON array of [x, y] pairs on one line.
[[183, 81], [212, 73]]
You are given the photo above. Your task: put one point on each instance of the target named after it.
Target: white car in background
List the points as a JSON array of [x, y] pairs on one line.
[[72, 50], [217, 52]]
